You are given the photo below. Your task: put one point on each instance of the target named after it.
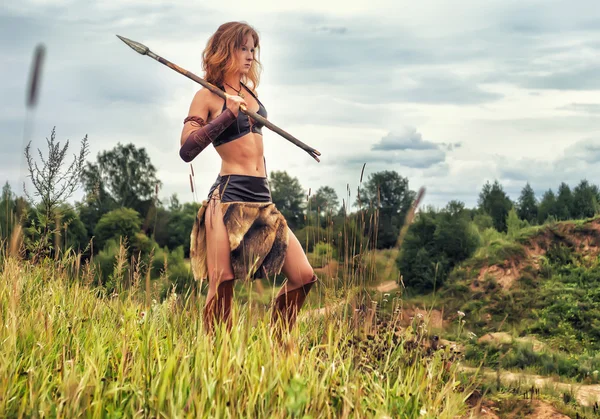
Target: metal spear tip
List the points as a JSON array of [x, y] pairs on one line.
[[141, 48]]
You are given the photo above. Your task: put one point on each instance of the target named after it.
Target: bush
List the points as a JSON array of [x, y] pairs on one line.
[[435, 244], [174, 269], [483, 222], [122, 222], [106, 260]]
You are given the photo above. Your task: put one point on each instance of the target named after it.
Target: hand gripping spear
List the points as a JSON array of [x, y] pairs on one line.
[[144, 50]]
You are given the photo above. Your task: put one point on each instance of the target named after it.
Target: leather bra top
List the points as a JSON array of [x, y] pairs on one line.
[[242, 125]]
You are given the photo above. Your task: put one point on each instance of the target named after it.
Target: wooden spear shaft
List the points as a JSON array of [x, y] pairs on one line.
[[144, 50]]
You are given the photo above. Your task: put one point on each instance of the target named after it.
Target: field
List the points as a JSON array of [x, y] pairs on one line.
[[71, 350]]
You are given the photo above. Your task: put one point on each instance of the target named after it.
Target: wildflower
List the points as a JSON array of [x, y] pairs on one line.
[[422, 412], [472, 335], [387, 294], [460, 313], [419, 316]]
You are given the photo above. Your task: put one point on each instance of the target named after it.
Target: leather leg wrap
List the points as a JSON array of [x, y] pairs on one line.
[[287, 305], [218, 309]]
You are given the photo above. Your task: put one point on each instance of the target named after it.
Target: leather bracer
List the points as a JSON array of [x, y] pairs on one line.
[[200, 138]]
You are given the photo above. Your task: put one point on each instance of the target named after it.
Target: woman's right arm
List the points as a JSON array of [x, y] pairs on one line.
[[197, 134]]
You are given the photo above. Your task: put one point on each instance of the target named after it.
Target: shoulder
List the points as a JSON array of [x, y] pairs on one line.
[[204, 99], [203, 104], [203, 95]]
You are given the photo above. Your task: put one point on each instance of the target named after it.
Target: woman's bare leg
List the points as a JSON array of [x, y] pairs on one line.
[[300, 279], [218, 261]]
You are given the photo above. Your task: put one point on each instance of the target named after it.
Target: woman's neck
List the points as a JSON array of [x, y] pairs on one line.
[[233, 81]]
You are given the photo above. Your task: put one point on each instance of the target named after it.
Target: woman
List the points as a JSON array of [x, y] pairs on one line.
[[239, 233]]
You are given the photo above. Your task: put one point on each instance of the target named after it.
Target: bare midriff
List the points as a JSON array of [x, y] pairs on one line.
[[243, 156]]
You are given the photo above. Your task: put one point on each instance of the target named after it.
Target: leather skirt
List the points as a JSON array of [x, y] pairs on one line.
[[242, 188]]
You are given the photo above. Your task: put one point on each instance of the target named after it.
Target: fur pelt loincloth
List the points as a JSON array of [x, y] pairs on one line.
[[258, 239]]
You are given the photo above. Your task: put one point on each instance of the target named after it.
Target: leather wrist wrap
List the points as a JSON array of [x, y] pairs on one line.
[[200, 138]]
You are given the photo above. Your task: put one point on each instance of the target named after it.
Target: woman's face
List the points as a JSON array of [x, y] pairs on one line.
[[245, 55]]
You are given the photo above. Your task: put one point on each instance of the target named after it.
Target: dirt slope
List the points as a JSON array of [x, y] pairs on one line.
[[581, 238]]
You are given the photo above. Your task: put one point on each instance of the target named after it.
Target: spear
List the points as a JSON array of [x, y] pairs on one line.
[[144, 50]]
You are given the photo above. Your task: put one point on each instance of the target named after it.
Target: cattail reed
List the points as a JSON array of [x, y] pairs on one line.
[[35, 76], [193, 183], [362, 172]]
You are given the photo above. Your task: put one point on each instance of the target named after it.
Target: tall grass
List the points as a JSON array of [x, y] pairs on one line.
[[70, 351]]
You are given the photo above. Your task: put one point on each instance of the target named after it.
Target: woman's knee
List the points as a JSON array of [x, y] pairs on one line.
[[302, 277], [224, 286], [308, 276]]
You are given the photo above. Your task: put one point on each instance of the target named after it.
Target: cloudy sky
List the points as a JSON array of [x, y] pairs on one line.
[[448, 94]]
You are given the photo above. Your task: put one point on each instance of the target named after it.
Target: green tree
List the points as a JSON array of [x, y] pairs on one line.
[[495, 202], [527, 205], [585, 200], [121, 222], [97, 200], [455, 236], [8, 216], [483, 221], [417, 258], [514, 224], [388, 193], [174, 224], [180, 224], [13, 210], [564, 202], [326, 200], [324, 203], [287, 194], [435, 243], [124, 173], [547, 208]]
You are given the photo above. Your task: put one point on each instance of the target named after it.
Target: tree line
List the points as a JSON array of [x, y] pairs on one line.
[[121, 202]]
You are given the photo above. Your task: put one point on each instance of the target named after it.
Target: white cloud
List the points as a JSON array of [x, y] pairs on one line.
[[495, 91], [406, 138]]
